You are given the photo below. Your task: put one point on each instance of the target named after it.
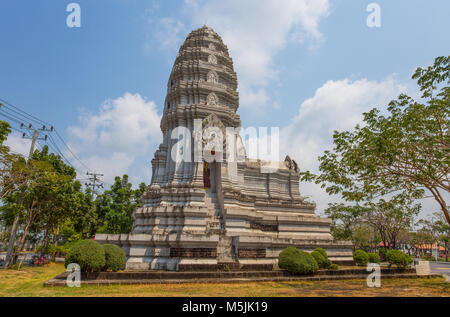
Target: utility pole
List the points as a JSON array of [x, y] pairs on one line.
[[9, 255], [95, 181]]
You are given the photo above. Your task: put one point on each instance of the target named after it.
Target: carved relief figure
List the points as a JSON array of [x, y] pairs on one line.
[[212, 100], [212, 77], [212, 59]]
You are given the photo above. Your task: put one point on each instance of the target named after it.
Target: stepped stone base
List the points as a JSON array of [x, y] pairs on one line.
[[190, 252]]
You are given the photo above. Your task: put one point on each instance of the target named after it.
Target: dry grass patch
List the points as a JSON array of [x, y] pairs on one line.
[[29, 282]]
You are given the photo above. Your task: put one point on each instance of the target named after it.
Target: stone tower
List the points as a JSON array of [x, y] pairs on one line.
[[221, 211]]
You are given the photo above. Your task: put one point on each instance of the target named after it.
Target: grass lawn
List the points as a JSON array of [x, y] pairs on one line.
[[29, 282]]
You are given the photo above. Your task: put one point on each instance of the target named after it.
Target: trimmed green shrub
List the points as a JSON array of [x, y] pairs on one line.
[[322, 261], [88, 254], [374, 258], [398, 258], [322, 251], [334, 266], [297, 262], [382, 252], [361, 257], [114, 257]]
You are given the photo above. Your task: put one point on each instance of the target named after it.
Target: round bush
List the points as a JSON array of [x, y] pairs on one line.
[[398, 258], [322, 261], [361, 257], [334, 266], [88, 254], [322, 251], [114, 257], [374, 258], [297, 262]]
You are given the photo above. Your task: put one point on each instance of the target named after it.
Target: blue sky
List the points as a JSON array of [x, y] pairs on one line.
[[306, 66]]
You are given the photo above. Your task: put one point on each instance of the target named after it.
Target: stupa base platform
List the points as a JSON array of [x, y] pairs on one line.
[[216, 252]]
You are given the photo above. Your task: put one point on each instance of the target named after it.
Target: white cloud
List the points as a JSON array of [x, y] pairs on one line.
[[18, 144], [170, 32], [254, 31], [337, 105], [111, 140]]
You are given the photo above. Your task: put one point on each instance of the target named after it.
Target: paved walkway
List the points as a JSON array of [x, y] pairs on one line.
[[440, 268]]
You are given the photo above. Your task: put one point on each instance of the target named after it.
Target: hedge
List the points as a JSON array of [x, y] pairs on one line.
[[115, 258], [88, 254], [322, 261], [398, 258], [361, 257], [374, 258], [297, 262]]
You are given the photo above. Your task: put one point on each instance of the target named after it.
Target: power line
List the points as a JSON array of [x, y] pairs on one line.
[[20, 116], [17, 113], [25, 113], [9, 117], [96, 182], [73, 154], [59, 152]]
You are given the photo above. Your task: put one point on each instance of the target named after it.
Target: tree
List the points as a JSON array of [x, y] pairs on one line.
[[5, 130], [373, 222], [12, 173], [45, 200], [435, 230], [117, 205], [84, 222], [64, 201], [35, 197], [346, 222], [391, 218], [407, 151]]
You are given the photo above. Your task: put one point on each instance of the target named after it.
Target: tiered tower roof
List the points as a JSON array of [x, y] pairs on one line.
[[203, 80]]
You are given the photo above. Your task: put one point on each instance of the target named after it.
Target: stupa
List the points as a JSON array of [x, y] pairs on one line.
[[219, 213]]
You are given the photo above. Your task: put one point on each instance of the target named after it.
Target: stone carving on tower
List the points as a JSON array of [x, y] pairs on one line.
[[212, 100], [212, 59], [212, 77], [204, 214]]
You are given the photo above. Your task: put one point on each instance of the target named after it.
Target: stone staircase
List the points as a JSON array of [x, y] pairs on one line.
[[214, 223]]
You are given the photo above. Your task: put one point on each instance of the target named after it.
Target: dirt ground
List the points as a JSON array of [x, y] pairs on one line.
[[29, 282]]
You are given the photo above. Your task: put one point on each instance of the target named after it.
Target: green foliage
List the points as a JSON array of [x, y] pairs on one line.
[[297, 262], [334, 266], [62, 250], [117, 205], [405, 151], [322, 251], [398, 258], [321, 257], [51, 205], [360, 257], [382, 252], [374, 258], [5, 129], [48, 249], [114, 257], [323, 262], [88, 254]]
